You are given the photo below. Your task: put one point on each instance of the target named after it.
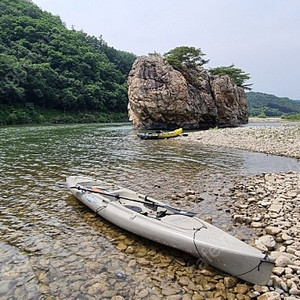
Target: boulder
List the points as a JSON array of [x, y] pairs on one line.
[[161, 97]]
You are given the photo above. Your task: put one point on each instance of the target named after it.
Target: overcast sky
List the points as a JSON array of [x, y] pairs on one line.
[[262, 37]]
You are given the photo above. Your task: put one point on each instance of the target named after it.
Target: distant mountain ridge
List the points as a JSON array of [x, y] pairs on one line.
[[261, 104]]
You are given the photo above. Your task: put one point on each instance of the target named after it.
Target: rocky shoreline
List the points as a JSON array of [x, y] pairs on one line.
[[268, 203], [283, 140]]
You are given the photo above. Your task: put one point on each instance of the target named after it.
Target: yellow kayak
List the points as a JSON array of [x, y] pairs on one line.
[[160, 135]]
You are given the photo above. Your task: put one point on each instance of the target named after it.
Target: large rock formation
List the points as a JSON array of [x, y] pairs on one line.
[[232, 109], [161, 97]]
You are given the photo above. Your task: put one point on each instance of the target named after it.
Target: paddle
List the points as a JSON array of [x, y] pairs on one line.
[[146, 201]]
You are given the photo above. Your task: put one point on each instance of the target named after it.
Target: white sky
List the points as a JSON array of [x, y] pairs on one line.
[[262, 37]]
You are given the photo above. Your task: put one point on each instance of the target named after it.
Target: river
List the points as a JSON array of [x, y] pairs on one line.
[[52, 246]]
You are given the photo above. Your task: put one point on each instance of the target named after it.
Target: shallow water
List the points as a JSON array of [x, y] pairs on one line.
[[52, 246]]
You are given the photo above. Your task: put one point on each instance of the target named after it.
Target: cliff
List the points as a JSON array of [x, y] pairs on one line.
[[161, 97]]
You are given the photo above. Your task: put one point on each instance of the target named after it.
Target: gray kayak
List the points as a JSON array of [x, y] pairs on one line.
[[172, 227]]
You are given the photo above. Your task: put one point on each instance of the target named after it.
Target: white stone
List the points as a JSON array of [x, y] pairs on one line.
[[268, 241], [292, 194], [269, 296], [265, 203], [256, 224], [297, 253], [261, 288], [294, 291], [276, 254], [282, 261], [278, 270], [259, 245], [276, 208], [286, 237]]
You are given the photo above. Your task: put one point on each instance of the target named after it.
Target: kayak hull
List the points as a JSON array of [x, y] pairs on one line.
[[187, 233], [160, 135]]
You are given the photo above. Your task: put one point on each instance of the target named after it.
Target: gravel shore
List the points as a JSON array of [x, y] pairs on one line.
[[268, 203], [283, 140]]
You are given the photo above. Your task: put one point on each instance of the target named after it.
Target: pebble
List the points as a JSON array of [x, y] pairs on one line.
[[270, 296], [272, 230], [294, 291], [121, 246], [144, 293], [278, 270], [265, 203], [268, 241], [230, 282], [261, 289], [167, 291], [241, 288], [117, 297], [257, 224], [282, 261]]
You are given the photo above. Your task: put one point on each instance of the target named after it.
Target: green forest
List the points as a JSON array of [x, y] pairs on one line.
[[48, 72], [267, 105]]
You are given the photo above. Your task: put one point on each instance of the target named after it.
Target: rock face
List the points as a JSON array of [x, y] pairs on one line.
[[161, 97], [230, 100]]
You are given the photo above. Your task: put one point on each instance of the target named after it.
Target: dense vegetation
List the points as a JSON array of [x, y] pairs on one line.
[[266, 105], [46, 67]]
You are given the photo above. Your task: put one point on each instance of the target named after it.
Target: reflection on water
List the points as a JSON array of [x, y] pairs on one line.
[[56, 246]]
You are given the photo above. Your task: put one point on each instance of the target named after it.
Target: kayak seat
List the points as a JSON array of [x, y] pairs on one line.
[[134, 208]]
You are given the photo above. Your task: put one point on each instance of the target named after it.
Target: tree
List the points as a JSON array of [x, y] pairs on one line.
[[236, 74], [44, 63], [185, 57], [12, 77]]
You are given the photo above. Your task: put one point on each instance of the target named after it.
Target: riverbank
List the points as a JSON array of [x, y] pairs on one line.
[[267, 203], [283, 140]]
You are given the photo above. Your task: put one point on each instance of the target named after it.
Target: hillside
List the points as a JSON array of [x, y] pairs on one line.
[[45, 66], [261, 104]]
